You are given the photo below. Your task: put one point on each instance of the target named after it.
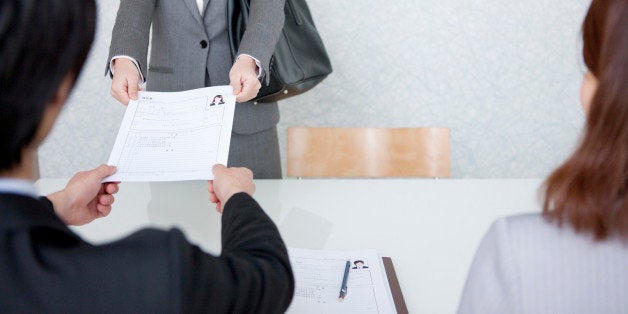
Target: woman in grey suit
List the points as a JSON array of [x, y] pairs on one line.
[[190, 49], [572, 258]]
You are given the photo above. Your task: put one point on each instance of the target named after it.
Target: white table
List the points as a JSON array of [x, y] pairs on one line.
[[430, 228]]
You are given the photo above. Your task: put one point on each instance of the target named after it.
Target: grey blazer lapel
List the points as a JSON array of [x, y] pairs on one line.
[[205, 2], [191, 4]]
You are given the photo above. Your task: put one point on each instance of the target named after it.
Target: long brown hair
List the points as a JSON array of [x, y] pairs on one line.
[[589, 189]]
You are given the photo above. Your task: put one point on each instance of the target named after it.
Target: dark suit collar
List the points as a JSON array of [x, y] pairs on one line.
[[24, 212]]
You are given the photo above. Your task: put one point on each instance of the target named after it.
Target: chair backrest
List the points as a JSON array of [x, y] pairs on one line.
[[368, 152]]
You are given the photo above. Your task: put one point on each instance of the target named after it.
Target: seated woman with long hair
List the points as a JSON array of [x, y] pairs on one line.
[[572, 258]]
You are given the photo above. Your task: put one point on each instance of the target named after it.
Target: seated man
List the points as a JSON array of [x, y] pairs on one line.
[[45, 267]]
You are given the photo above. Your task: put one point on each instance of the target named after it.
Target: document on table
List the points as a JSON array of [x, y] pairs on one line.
[[174, 136], [319, 274]]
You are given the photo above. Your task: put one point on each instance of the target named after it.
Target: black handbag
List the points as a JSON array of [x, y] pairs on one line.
[[300, 60]]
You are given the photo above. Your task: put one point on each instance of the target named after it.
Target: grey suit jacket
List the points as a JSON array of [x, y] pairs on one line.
[[528, 265], [185, 46]]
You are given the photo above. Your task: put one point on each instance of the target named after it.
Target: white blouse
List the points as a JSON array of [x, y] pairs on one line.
[[199, 4]]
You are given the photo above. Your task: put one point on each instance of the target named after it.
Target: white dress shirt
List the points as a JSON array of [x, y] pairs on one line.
[[199, 3], [18, 186]]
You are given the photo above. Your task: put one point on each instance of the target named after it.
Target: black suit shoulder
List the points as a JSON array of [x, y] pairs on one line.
[[148, 271], [253, 272]]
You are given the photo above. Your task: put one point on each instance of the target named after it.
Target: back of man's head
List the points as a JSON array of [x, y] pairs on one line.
[[41, 42]]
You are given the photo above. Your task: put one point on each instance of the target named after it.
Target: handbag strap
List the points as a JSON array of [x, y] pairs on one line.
[[245, 7], [237, 18]]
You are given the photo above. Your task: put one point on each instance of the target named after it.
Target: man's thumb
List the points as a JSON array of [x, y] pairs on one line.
[[105, 170], [218, 169]]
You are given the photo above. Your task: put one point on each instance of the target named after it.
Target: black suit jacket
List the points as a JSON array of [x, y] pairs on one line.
[[46, 268]]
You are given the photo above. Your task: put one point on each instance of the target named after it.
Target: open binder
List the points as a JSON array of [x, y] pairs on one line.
[[372, 285], [395, 289]]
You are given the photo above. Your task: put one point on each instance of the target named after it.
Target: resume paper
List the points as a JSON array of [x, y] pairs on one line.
[[175, 136], [319, 274]]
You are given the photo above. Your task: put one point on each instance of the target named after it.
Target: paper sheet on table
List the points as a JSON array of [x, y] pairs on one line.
[[173, 136], [318, 275]]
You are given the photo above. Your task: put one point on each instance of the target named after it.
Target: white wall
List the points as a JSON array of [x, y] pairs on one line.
[[503, 75]]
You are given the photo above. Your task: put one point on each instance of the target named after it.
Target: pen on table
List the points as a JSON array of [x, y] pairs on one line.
[[343, 287]]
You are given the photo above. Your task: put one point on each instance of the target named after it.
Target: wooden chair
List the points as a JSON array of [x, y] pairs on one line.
[[368, 152]]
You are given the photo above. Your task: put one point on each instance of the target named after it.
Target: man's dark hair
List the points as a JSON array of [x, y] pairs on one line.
[[41, 42]]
